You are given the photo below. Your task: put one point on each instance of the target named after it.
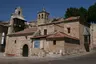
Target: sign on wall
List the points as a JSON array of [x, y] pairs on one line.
[[37, 43]]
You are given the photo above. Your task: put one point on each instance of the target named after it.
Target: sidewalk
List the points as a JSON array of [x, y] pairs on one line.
[[47, 58], [55, 57]]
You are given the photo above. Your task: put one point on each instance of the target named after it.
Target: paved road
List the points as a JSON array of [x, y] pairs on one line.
[[85, 59]]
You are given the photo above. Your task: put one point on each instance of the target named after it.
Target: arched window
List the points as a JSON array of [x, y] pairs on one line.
[[39, 16], [42, 16], [18, 12]]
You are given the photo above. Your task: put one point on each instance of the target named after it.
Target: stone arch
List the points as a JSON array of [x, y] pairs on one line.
[[25, 50]]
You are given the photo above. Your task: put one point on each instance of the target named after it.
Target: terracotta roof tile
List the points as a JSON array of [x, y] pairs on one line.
[[55, 35], [61, 35], [56, 21], [26, 31], [72, 18]]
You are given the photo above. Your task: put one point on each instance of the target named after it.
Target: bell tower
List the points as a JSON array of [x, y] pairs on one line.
[[42, 17], [15, 20], [18, 11]]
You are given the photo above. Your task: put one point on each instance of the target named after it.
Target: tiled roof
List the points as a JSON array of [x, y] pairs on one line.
[[61, 20], [72, 18], [17, 16], [61, 35], [26, 31], [55, 35], [43, 12]]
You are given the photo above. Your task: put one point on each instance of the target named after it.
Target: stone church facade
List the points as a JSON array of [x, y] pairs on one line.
[[45, 36]]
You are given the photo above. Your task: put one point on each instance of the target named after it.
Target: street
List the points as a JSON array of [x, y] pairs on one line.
[[84, 59]]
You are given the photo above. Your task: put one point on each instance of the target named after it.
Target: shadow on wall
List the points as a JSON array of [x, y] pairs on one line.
[[2, 46], [86, 45], [72, 41]]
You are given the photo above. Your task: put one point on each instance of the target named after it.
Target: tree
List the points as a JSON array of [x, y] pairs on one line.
[[76, 12], [83, 13], [71, 12], [92, 13], [89, 15]]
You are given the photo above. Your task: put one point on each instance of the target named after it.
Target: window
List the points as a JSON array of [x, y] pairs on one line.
[[42, 16], [15, 41], [45, 31], [36, 43], [68, 29], [39, 17], [54, 42], [18, 12]]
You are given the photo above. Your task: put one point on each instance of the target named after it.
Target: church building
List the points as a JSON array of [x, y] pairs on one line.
[[46, 36]]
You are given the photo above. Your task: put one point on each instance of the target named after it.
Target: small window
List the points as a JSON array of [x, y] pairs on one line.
[[45, 31], [39, 17], [15, 41], [18, 12], [54, 42], [68, 29]]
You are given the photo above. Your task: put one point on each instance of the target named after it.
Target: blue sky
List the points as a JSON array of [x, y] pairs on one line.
[[56, 8]]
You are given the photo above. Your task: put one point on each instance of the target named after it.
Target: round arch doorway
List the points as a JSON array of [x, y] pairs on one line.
[[25, 50]]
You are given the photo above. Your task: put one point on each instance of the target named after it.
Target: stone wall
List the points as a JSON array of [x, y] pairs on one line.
[[54, 48], [47, 47], [59, 27], [15, 45], [50, 29], [73, 49], [74, 28], [93, 35]]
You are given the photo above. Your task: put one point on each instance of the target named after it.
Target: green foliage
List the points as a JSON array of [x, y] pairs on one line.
[[92, 13], [76, 12], [82, 12], [71, 12], [88, 15]]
